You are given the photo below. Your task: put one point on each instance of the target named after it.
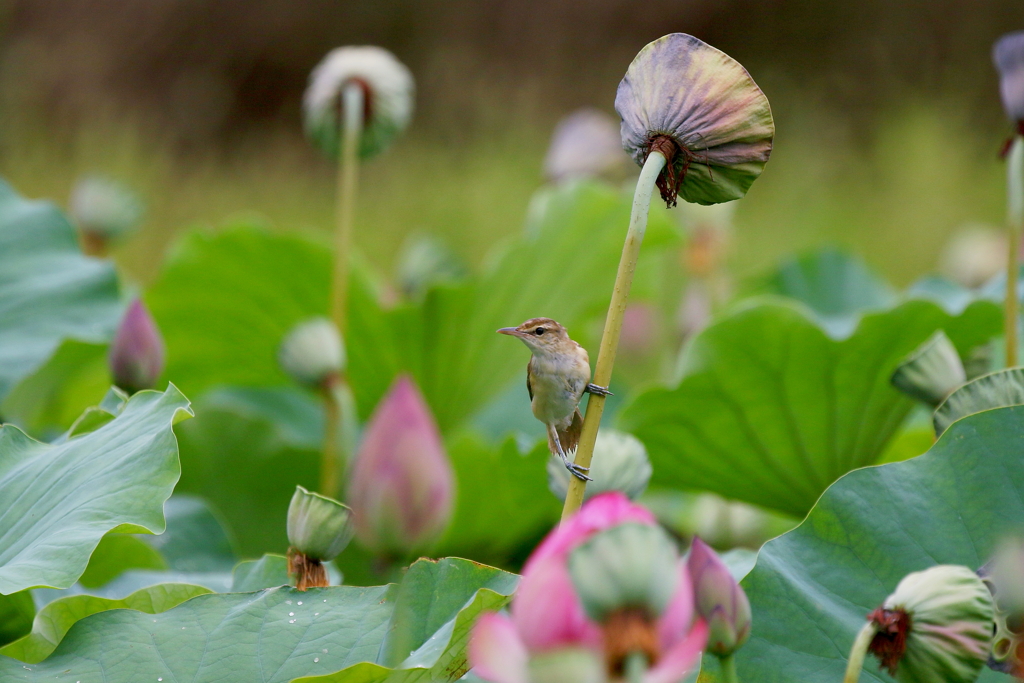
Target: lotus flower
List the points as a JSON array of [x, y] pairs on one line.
[[387, 97], [585, 143], [549, 636], [402, 485], [137, 353], [1008, 55], [700, 109]]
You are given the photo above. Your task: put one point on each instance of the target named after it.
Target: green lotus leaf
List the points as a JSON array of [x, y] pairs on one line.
[[812, 587], [418, 629], [117, 553], [266, 572], [771, 410], [196, 539], [65, 497], [995, 390], [49, 291]]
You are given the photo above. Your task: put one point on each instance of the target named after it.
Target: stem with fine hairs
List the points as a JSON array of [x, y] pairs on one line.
[[613, 324], [348, 182], [728, 665], [1015, 219], [859, 651]]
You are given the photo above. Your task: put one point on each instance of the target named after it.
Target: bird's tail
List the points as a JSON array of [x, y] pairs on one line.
[[570, 436]]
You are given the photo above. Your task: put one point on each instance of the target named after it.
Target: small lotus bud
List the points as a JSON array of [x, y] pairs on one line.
[[585, 143], [104, 210], [701, 110], [620, 463], [1008, 55], [932, 372], [387, 87], [313, 353], [719, 599], [936, 626], [424, 262], [402, 486], [319, 528], [137, 353], [629, 566]]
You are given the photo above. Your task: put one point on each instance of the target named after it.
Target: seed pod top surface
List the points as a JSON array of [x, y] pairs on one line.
[[388, 90], [681, 92]]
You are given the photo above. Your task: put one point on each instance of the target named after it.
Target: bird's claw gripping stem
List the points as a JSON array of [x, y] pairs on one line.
[[574, 469], [598, 391]]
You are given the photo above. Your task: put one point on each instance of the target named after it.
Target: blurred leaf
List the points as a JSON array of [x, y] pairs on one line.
[[812, 587], [833, 283], [64, 498], [195, 539], [254, 575], [16, 613], [995, 390], [771, 410], [49, 291], [53, 621], [274, 638], [115, 554]]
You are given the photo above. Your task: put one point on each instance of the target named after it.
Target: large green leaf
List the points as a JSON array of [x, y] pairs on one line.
[[771, 409], [226, 301], [59, 500], [995, 390], [49, 291], [812, 587], [195, 539], [280, 634]]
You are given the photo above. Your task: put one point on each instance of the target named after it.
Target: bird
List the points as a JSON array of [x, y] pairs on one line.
[[557, 376]]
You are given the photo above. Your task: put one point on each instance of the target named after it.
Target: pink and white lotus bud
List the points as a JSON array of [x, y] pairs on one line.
[[701, 109], [719, 599], [586, 143], [387, 98], [136, 356], [402, 485], [1008, 55], [550, 636]]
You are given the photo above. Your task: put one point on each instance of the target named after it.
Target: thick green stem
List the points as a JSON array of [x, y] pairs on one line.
[[634, 667], [339, 435], [859, 651], [348, 183], [1015, 218], [613, 324], [728, 664]]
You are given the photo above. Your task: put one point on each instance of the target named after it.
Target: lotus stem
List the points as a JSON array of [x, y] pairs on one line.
[[634, 667], [348, 183], [728, 664], [859, 651], [1015, 218], [339, 434], [613, 323]]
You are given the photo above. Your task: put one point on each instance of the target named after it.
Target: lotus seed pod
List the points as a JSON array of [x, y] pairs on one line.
[[104, 208], [936, 626], [387, 87], [700, 109], [318, 526], [585, 143], [136, 356], [719, 599], [932, 372], [313, 353], [426, 261], [974, 255], [1004, 577], [629, 566], [620, 463], [1008, 55], [569, 665]]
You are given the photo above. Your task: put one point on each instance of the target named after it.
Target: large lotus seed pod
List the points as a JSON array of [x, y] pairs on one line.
[[620, 464], [936, 626], [312, 353], [387, 87], [318, 526], [701, 109], [932, 372]]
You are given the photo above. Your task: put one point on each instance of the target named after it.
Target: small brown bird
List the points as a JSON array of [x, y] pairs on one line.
[[557, 376]]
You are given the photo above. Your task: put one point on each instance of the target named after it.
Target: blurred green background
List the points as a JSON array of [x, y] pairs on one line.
[[888, 115]]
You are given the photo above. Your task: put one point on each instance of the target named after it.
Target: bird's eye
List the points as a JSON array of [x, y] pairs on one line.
[[539, 331]]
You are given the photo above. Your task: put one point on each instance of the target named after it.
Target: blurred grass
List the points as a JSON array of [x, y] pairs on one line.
[[893, 194]]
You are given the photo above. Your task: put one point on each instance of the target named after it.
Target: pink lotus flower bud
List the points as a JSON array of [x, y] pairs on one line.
[[402, 486], [720, 600], [137, 353], [1008, 55], [549, 630]]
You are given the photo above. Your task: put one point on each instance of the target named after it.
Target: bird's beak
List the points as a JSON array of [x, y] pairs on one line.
[[510, 331]]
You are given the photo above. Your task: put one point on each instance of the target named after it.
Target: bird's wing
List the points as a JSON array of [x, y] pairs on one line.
[[529, 371]]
